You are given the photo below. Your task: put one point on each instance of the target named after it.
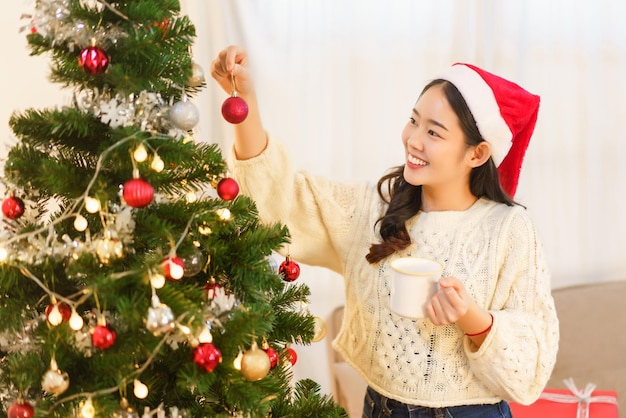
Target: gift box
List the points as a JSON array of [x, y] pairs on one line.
[[570, 403]]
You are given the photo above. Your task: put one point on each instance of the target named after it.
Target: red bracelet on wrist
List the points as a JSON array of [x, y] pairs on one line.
[[483, 331]]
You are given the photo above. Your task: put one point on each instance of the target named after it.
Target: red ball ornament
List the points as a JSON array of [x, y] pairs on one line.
[[227, 188], [235, 109], [272, 355], [93, 60], [138, 193], [173, 268], [103, 337], [13, 207], [292, 355], [207, 356], [21, 409], [289, 269]]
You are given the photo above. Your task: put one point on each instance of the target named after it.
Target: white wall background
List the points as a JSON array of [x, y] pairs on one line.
[[337, 78]]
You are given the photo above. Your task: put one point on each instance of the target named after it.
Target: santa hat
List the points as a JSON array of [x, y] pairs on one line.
[[504, 112]]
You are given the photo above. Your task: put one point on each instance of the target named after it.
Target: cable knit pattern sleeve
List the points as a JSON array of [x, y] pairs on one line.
[[517, 358], [318, 213]]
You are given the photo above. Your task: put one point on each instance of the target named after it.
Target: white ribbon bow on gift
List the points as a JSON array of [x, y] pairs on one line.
[[582, 397]]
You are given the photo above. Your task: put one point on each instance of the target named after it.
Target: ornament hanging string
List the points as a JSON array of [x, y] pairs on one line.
[[233, 84]]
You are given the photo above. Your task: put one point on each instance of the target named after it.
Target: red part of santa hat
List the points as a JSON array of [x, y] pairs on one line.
[[504, 112]]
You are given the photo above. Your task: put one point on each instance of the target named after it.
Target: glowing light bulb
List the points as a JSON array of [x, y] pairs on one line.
[[92, 205], [223, 213], [205, 230], [157, 164], [54, 316], [140, 154], [191, 197], [76, 321], [157, 280], [140, 390], [80, 223], [176, 271], [87, 410], [4, 254], [205, 336], [237, 361]]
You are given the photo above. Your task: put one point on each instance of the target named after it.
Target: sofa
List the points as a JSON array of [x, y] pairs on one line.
[[592, 348]]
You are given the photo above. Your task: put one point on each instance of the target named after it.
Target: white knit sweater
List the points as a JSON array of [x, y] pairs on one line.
[[492, 248]]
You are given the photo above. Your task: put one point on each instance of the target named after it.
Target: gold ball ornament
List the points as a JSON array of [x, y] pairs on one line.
[[255, 364], [197, 75], [319, 329]]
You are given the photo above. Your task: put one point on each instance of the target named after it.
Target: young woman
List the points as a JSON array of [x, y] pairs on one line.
[[491, 331]]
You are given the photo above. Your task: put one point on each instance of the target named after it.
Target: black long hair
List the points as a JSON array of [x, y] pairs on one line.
[[405, 200]]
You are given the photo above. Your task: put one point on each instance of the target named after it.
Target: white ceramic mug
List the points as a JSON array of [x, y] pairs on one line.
[[413, 283]]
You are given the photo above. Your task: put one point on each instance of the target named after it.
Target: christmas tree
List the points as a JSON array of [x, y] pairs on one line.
[[134, 280]]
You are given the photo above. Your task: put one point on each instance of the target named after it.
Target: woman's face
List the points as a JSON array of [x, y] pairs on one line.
[[435, 148]]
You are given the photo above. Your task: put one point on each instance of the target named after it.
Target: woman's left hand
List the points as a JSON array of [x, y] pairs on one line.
[[450, 303]]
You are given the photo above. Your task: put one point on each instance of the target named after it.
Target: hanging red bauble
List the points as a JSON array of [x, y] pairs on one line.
[[207, 356], [93, 60], [289, 269], [103, 337], [21, 409], [292, 355], [227, 188], [13, 207], [272, 355], [235, 109], [173, 268], [138, 193]]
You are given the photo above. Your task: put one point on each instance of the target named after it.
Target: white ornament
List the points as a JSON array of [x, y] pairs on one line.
[[54, 381], [115, 113]]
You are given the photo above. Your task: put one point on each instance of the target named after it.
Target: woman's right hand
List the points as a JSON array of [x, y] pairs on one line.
[[232, 63]]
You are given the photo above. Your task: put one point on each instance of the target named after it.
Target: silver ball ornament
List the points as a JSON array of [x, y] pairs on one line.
[[160, 319], [184, 115]]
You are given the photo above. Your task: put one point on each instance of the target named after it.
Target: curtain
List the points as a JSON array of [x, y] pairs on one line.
[[336, 81]]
